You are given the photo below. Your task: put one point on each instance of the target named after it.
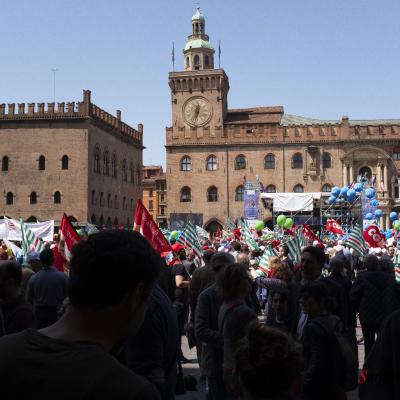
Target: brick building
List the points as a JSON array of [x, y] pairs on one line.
[[74, 158], [211, 148], [155, 193]]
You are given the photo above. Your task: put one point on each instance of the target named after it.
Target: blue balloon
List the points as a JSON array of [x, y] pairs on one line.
[[335, 191], [351, 195], [378, 213], [331, 199], [388, 234], [393, 215], [370, 193], [344, 190], [358, 187], [374, 203], [369, 216]]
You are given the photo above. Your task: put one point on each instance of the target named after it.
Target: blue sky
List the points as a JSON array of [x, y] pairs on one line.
[[321, 59]]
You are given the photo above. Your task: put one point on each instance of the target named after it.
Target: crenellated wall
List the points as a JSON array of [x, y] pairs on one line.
[[71, 110]]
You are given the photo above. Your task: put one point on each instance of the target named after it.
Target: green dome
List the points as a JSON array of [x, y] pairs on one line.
[[198, 16], [198, 44]]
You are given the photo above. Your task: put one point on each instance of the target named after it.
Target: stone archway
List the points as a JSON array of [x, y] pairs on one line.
[[212, 226], [376, 165]]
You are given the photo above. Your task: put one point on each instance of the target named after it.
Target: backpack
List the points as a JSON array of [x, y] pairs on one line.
[[342, 358]]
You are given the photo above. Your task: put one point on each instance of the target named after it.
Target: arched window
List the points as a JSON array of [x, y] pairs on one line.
[[297, 161], [212, 194], [114, 166], [106, 163], [211, 163], [269, 161], [196, 60], [298, 189], [97, 159], [108, 222], [326, 189], [326, 160], [240, 162], [33, 198], [93, 197], [186, 195], [101, 221], [64, 162], [124, 171], [186, 163], [57, 197], [187, 62], [132, 205], [9, 199], [4, 163], [116, 222], [109, 201], [116, 205], [271, 189], [101, 199], [239, 193], [206, 61], [132, 173], [93, 219], [124, 203], [42, 163]]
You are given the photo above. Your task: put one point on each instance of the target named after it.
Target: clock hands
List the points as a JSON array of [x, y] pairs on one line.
[[196, 112]]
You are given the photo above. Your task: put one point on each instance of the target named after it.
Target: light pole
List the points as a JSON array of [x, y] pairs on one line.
[[54, 70]]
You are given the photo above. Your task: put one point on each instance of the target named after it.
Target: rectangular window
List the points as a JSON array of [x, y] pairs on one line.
[[151, 205], [396, 156]]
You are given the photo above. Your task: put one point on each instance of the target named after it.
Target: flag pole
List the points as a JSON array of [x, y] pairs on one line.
[[219, 54], [173, 56]]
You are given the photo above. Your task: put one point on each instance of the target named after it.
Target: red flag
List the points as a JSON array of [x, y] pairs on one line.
[[311, 235], [69, 237], [334, 227], [374, 237], [219, 233], [148, 228]]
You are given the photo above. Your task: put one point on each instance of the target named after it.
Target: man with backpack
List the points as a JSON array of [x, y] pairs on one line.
[[328, 358]]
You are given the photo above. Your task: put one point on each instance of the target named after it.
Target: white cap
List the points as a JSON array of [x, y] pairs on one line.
[[384, 251], [339, 247], [315, 243], [340, 242], [378, 250]]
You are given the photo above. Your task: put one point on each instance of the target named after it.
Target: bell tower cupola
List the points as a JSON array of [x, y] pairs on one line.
[[198, 52]]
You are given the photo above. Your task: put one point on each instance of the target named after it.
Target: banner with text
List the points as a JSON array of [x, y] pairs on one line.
[[251, 196]]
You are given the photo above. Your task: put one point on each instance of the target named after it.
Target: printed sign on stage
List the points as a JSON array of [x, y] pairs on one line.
[[179, 220]]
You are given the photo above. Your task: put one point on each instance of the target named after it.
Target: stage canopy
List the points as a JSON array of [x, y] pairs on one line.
[[292, 202]]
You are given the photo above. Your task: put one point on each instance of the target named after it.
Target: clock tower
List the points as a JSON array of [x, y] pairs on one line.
[[199, 93]]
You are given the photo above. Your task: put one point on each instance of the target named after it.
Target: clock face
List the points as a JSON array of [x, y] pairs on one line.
[[197, 111]]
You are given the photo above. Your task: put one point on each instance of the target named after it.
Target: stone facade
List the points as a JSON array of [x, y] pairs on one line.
[[73, 158], [155, 193], [212, 149]]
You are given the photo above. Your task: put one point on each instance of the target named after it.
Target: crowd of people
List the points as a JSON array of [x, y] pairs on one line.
[[112, 327]]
